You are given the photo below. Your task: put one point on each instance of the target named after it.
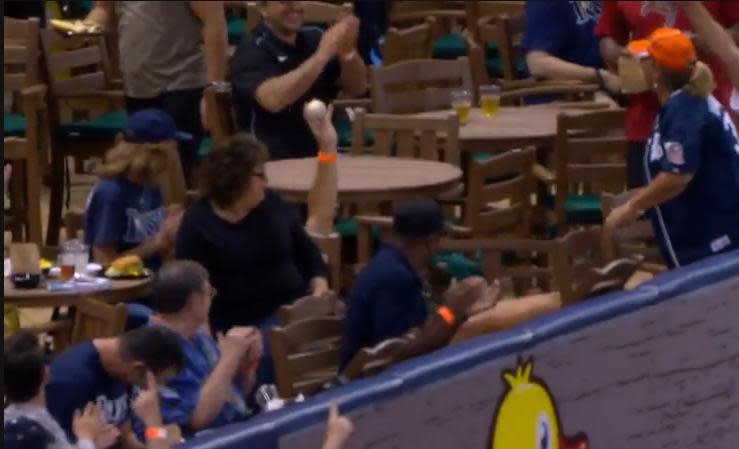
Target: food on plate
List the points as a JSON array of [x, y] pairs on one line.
[[44, 264], [76, 26], [126, 266]]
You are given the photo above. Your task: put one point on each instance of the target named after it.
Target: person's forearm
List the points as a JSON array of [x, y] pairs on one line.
[[610, 50], [107, 254], [434, 334], [215, 393], [545, 66], [717, 39], [354, 76], [277, 93], [216, 48], [129, 441], [322, 197], [664, 187], [102, 14]]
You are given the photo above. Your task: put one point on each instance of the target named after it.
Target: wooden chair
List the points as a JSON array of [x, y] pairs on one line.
[[330, 246], [95, 319], [580, 95], [309, 307], [94, 101], [504, 32], [590, 160], [370, 361], [306, 354], [434, 139], [418, 85], [414, 42], [499, 193], [478, 10]]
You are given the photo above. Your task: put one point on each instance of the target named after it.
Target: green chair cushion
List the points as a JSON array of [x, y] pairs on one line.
[[458, 265], [205, 145], [450, 46], [348, 228], [236, 29], [584, 208], [106, 125], [495, 68], [14, 125], [344, 130]]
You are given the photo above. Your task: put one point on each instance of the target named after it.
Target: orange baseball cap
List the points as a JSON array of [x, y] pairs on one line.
[[669, 47]]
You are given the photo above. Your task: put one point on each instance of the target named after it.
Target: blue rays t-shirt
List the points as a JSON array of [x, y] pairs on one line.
[[696, 136], [78, 377], [564, 30], [123, 214]]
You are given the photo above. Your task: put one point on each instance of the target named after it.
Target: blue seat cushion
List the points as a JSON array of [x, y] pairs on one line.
[[458, 265], [584, 208], [205, 145], [106, 125], [450, 46], [348, 228], [345, 130], [495, 68], [14, 125]]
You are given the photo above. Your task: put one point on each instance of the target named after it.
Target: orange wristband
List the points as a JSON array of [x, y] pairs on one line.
[[250, 368], [326, 158], [155, 433], [446, 314]]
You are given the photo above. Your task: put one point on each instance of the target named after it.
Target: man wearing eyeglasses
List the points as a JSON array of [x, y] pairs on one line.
[[211, 389]]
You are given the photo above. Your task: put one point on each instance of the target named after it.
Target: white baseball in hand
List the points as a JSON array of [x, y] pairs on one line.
[[315, 110]]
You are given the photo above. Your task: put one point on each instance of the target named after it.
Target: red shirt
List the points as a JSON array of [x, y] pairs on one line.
[[628, 20]]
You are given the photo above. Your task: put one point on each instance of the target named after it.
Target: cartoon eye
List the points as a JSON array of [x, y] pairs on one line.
[[544, 432]]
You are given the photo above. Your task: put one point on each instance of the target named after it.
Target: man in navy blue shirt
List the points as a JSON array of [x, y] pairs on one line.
[[389, 298], [560, 44], [103, 371], [691, 160]]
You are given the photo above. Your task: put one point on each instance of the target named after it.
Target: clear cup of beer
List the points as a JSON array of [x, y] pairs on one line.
[[461, 103], [66, 262], [490, 99]]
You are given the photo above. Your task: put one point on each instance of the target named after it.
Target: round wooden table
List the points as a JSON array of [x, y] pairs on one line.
[[512, 127], [365, 178], [120, 291]]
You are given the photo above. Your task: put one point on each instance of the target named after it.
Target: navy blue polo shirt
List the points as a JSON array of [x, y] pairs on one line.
[[263, 56], [387, 301], [695, 136], [564, 30]]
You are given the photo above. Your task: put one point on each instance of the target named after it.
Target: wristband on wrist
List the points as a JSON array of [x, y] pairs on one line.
[[250, 368], [447, 315], [325, 157], [348, 56], [155, 433]]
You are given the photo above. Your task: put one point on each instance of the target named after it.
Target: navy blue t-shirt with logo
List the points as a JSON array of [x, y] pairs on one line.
[[564, 30], [78, 377], [123, 214], [696, 136]]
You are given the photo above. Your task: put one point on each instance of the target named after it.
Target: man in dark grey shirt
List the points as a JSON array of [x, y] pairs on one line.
[[169, 51]]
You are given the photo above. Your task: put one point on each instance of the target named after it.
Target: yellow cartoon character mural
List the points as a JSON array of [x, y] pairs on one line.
[[527, 417]]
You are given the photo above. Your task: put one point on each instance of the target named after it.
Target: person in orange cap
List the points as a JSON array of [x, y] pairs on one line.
[[692, 158]]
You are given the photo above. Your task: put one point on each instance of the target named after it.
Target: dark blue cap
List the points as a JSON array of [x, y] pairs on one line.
[[418, 218], [152, 126], [25, 433]]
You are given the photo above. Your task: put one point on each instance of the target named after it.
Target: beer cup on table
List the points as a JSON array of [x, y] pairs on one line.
[[490, 100], [461, 103]]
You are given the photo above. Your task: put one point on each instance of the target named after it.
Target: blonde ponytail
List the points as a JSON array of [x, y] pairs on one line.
[[701, 82]]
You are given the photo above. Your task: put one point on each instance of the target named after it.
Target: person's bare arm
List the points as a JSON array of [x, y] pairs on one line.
[[281, 91], [105, 254], [216, 390], [213, 16], [102, 14], [545, 66], [323, 194], [665, 187], [610, 50], [354, 76], [716, 38], [129, 439]]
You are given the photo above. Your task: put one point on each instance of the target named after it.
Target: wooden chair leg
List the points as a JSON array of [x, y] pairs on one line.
[[56, 198]]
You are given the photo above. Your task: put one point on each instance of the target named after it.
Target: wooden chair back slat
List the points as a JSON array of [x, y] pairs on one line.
[[95, 319], [505, 177], [418, 85], [15, 55], [415, 42], [82, 83], [502, 30], [305, 353], [21, 48], [82, 57], [324, 12], [85, 59], [309, 307], [370, 361], [14, 82], [222, 116], [404, 136]]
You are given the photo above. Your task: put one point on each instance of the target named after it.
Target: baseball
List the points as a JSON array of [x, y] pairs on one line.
[[315, 110]]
